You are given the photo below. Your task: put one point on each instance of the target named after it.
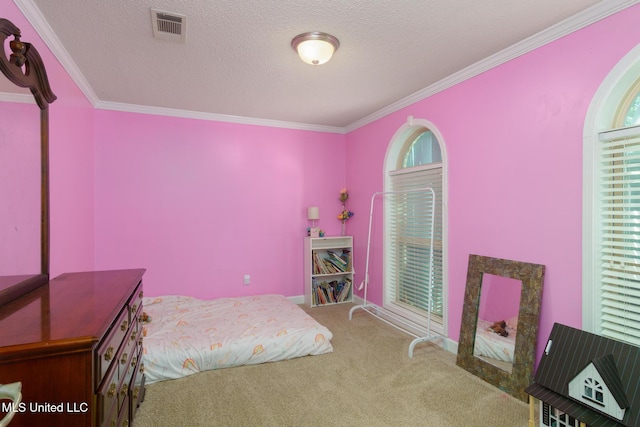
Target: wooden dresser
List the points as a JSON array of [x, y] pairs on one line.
[[76, 346]]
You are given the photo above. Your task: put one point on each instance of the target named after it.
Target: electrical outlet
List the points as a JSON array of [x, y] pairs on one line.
[[247, 279]]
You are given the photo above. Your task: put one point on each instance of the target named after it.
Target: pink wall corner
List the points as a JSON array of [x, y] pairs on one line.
[[71, 158], [366, 150], [514, 144], [72, 188], [202, 203]]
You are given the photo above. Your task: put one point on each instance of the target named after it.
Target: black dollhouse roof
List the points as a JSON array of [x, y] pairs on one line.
[[606, 366], [568, 352]]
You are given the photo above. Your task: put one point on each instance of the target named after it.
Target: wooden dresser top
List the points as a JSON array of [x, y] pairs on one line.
[[74, 309]]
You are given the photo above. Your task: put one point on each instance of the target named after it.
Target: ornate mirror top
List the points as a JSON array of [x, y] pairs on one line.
[[24, 67]]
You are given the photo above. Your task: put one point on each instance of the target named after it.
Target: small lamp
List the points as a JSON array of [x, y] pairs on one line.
[[313, 213]]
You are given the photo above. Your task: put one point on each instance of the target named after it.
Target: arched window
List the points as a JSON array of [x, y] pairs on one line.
[[611, 207], [629, 110], [593, 390], [415, 159], [422, 150]]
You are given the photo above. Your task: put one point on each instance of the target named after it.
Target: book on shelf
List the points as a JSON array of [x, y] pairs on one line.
[[330, 262], [345, 290], [338, 259], [331, 292]]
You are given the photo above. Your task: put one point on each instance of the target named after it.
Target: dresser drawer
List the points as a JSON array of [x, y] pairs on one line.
[[113, 394], [135, 305], [135, 347], [111, 420], [108, 350], [136, 392], [124, 420], [107, 401], [127, 353], [135, 332]]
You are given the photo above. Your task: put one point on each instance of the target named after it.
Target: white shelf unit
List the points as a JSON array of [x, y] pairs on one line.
[[327, 279]]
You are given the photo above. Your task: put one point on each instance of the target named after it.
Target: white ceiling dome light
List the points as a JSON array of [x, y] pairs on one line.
[[315, 48]]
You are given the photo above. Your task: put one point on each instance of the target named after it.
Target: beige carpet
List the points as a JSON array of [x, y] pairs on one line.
[[368, 380]]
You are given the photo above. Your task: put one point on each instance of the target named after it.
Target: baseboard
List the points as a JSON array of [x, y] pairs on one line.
[[297, 299]]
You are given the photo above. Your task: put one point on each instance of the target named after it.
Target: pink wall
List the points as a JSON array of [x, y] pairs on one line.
[[513, 137], [201, 203], [71, 158], [71, 174]]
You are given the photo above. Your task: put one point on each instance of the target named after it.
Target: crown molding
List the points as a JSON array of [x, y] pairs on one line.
[[40, 24], [37, 20], [595, 13], [17, 97], [160, 111], [587, 17]]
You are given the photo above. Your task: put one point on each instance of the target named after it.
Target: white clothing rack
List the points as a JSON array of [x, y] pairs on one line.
[[405, 324]]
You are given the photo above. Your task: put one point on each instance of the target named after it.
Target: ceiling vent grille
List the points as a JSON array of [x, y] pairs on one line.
[[169, 25]]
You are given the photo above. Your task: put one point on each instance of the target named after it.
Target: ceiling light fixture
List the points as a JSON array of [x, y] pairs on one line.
[[315, 48]]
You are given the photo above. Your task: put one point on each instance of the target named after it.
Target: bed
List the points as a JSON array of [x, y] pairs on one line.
[[492, 345], [185, 335]]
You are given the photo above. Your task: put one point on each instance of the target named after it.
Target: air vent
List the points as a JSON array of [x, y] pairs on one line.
[[169, 25]]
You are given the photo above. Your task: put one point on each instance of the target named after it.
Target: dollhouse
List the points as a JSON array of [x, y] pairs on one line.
[[587, 380]]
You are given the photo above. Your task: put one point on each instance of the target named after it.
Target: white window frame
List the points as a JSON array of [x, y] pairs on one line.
[[560, 419], [600, 117], [394, 151]]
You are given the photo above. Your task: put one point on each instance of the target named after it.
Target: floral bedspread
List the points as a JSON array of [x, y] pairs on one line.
[[490, 344], [187, 335]]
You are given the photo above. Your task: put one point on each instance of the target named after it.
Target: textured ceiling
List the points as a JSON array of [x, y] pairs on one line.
[[237, 60]]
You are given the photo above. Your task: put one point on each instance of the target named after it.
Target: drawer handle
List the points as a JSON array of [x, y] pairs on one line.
[[134, 361], [142, 368], [124, 359], [124, 326], [108, 355], [134, 308], [136, 392], [112, 390], [140, 294], [125, 389]]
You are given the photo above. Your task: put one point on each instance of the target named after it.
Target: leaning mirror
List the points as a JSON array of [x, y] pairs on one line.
[[24, 149], [499, 329]]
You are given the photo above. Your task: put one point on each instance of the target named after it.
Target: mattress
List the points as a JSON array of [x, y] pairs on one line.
[[186, 335], [494, 346]]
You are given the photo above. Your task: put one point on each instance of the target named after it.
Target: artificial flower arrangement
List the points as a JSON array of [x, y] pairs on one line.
[[345, 214]]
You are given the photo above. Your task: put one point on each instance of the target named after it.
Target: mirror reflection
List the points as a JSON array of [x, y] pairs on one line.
[[497, 326], [19, 189]]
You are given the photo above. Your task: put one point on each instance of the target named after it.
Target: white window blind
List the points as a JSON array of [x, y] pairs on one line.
[[409, 237], [620, 235]]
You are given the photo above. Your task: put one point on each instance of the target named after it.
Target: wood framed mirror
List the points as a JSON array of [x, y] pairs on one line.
[[499, 329], [21, 63]]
